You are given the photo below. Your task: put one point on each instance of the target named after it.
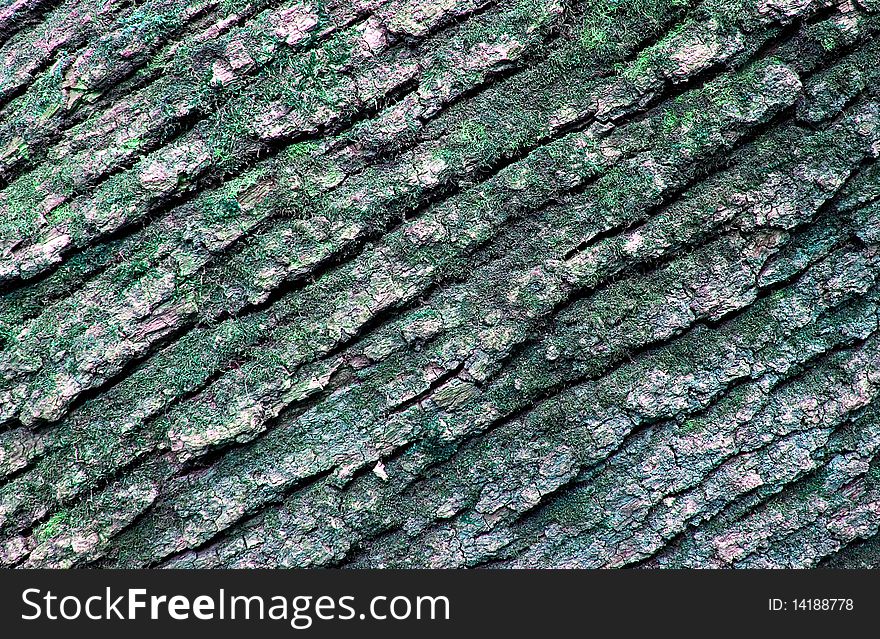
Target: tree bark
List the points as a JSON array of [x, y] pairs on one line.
[[449, 283]]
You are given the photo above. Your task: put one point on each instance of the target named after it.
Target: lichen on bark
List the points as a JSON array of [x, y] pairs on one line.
[[463, 283]]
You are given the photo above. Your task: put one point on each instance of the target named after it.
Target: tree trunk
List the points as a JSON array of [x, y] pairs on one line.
[[439, 283]]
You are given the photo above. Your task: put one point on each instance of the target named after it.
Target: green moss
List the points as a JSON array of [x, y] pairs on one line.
[[49, 529]]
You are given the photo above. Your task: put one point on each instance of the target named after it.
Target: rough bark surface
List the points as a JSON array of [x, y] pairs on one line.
[[439, 283]]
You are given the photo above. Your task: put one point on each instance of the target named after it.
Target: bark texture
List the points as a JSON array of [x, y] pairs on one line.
[[439, 283]]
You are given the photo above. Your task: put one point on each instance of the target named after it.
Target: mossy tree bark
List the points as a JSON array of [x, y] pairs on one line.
[[453, 283]]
